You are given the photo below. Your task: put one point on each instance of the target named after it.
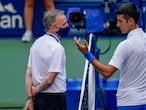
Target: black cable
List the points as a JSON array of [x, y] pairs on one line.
[[108, 48]]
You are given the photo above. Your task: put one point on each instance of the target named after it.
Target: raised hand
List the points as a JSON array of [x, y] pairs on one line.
[[82, 48]]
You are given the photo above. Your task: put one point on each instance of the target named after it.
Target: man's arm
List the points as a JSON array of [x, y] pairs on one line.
[[45, 83], [28, 84], [105, 71], [28, 81]]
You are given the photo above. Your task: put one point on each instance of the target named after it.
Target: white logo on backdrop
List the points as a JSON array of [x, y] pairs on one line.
[[7, 8], [8, 21]]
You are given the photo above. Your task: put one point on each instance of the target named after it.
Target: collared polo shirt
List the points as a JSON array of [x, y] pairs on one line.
[[130, 58], [48, 55]]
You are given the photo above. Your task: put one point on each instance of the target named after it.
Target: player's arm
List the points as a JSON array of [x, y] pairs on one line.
[[105, 70]]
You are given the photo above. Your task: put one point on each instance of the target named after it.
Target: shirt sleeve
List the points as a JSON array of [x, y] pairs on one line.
[[120, 55], [29, 64], [57, 60], [29, 61]]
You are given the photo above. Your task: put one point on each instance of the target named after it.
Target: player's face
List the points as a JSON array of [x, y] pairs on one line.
[[123, 24]]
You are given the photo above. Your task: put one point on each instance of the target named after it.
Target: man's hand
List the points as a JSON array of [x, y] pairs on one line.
[[81, 48], [34, 90], [29, 105]]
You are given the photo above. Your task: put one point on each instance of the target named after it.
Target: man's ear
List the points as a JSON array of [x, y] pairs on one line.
[[53, 28], [131, 21]]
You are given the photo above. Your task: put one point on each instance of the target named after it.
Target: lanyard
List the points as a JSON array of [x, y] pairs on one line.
[[51, 35]]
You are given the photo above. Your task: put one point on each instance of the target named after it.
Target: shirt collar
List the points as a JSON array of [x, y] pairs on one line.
[[53, 36], [134, 32]]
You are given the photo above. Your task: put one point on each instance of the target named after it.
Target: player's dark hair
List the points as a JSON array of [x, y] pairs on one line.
[[129, 10]]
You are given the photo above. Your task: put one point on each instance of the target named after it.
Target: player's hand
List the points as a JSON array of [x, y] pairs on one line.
[[83, 48]]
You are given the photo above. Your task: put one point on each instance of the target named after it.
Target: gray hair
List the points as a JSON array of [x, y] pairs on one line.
[[50, 17]]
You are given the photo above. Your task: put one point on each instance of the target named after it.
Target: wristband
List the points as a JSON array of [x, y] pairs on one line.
[[30, 97], [89, 56]]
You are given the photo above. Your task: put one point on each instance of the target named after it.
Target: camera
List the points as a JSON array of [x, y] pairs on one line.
[[90, 19]]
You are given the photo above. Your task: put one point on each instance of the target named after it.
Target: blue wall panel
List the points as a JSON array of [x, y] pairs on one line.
[[12, 21]]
